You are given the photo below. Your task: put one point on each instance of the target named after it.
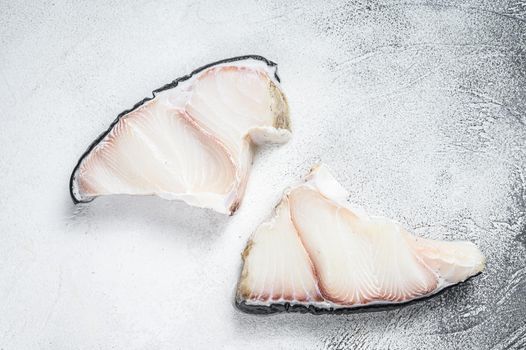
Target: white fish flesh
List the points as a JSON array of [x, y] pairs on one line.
[[319, 254], [193, 140]]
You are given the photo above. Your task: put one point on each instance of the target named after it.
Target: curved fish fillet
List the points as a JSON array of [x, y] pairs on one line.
[[319, 253], [193, 141]]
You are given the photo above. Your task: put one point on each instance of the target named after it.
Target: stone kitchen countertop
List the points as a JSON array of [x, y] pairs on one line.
[[418, 108]]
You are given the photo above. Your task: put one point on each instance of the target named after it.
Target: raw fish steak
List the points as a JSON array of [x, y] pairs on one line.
[[193, 140], [319, 254]]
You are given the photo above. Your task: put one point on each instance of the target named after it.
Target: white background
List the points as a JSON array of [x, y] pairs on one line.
[[418, 109]]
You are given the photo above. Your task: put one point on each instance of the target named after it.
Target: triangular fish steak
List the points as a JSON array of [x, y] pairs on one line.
[[193, 140], [319, 254]]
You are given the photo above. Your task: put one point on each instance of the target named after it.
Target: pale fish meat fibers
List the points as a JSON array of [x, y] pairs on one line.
[[320, 254], [193, 140]]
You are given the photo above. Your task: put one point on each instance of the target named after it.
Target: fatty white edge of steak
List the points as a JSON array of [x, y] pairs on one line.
[[185, 87]]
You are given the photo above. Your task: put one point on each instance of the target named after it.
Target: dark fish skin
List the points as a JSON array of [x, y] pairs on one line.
[[168, 86], [314, 310]]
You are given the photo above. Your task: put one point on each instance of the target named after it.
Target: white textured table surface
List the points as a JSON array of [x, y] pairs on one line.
[[418, 109]]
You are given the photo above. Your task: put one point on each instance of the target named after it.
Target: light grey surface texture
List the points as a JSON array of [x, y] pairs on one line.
[[418, 108]]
